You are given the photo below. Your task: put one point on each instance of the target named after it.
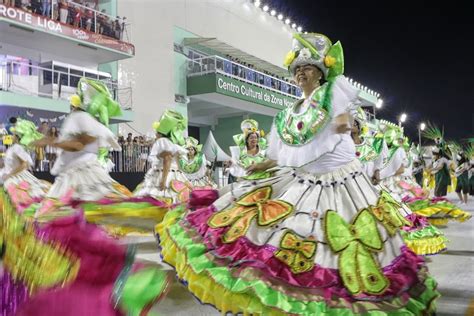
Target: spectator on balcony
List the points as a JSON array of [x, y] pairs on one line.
[[46, 8], [118, 28], [54, 10], [36, 6], [26, 5], [78, 13], [89, 15], [100, 20], [63, 11]]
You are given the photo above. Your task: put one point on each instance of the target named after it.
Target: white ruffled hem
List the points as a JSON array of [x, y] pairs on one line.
[[89, 181]]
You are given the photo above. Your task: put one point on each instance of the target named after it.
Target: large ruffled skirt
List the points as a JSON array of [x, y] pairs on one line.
[[177, 190], [25, 189], [64, 266], [103, 200], [437, 210], [299, 243], [87, 181]]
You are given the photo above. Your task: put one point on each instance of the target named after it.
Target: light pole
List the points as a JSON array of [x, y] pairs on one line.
[[420, 128], [403, 118]]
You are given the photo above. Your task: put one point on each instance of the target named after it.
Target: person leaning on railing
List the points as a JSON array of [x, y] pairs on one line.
[[63, 11]]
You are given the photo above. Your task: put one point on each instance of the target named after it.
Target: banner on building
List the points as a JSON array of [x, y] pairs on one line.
[[38, 22]]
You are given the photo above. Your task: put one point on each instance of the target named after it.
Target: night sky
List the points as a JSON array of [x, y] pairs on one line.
[[419, 58]]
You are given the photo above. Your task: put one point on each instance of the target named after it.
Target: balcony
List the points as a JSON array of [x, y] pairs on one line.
[[48, 86], [241, 73], [218, 87], [78, 33]]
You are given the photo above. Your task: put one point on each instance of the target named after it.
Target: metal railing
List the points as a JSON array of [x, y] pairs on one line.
[[39, 81], [216, 64], [81, 16]]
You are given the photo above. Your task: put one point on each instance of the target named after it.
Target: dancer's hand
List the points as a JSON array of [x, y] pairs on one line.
[[376, 177]]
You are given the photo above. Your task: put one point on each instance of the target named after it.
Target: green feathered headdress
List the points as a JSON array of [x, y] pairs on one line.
[[172, 124], [391, 131], [27, 131], [96, 99], [434, 133], [469, 150]]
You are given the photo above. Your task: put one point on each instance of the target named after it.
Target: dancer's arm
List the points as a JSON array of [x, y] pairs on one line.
[[167, 158], [262, 166], [342, 122], [75, 144], [400, 170]]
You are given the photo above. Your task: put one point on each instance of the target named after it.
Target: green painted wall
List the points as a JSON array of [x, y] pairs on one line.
[[32, 102]]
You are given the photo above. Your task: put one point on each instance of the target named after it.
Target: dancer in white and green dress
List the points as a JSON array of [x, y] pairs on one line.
[[195, 166], [316, 238]]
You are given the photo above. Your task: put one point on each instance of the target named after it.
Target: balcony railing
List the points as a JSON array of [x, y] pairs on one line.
[[216, 64], [44, 82], [80, 16]]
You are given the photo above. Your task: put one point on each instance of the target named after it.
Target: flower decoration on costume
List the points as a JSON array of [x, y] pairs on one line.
[[289, 58], [354, 243], [296, 252], [316, 49], [257, 204], [172, 124]]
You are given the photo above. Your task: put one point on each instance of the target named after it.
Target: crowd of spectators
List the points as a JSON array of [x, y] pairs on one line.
[[248, 72], [134, 154], [78, 13]]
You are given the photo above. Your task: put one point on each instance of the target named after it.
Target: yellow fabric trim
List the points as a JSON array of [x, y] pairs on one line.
[[427, 246], [208, 291]]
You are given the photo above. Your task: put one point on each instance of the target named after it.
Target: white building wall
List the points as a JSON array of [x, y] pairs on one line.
[[235, 22]]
